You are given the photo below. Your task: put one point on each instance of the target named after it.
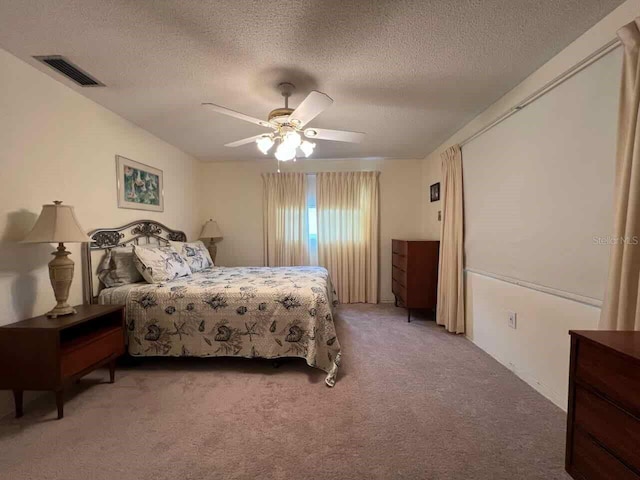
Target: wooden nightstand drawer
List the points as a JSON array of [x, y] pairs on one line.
[[84, 352]]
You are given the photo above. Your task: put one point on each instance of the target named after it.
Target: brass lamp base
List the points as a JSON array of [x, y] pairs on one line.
[[61, 276]]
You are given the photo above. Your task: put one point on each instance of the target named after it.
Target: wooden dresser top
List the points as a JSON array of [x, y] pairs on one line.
[[85, 313], [624, 342]]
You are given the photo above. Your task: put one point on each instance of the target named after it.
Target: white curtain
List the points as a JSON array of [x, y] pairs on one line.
[[348, 213], [621, 309], [450, 307], [285, 219]]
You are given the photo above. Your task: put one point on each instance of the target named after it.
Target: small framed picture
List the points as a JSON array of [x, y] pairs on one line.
[[435, 192], [140, 186]]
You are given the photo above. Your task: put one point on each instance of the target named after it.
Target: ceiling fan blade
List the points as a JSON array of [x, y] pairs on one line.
[[310, 108], [244, 141], [335, 135], [241, 116]]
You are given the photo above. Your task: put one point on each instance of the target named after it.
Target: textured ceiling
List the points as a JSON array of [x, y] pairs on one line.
[[407, 72]]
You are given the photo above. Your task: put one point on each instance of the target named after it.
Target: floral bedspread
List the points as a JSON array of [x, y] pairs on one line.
[[240, 311]]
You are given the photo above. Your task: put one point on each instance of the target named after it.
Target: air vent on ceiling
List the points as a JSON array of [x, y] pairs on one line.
[[69, 70]]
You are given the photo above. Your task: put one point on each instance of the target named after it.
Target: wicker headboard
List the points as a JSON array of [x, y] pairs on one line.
[[139, 232]]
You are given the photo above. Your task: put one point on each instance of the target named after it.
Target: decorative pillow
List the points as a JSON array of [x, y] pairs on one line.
[[195, 254], [118, 268], [159, 264]]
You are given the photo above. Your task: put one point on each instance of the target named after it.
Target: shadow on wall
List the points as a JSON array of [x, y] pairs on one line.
[[18, 261]]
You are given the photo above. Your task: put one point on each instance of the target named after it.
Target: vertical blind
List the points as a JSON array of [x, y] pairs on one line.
[[538, 187], [312, 219]]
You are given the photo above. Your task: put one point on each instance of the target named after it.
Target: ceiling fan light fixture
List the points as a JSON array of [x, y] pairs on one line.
[[307, 148], [292, 139], [288, 126], [265, 143], [285, 152]]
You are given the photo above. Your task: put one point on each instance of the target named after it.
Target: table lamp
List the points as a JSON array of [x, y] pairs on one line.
[[213, 233], [57, 223]]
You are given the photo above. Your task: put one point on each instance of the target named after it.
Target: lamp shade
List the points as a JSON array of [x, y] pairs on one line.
[[57, 223], [211, 230]]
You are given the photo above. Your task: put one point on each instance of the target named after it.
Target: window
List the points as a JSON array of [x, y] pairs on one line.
[[312, 220]]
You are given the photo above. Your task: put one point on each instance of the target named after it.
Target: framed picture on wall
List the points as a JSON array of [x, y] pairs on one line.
[[435, 192], [139, 186]]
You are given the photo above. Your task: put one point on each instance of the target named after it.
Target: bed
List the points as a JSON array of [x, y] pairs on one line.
[[254, 312]]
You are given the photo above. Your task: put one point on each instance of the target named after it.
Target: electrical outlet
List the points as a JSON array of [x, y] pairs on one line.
[[513, 320]]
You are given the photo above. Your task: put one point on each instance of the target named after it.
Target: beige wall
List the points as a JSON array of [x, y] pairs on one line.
[[538, 350], [231, 194], [57, 145]]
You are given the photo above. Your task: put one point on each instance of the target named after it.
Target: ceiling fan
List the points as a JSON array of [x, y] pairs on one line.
[[288, 126]]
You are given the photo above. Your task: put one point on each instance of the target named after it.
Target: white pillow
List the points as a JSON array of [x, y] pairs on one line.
[[159, 264], [195, 254], [118, 268]]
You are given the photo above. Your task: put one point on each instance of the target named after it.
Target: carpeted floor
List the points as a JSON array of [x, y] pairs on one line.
[[411, 402]]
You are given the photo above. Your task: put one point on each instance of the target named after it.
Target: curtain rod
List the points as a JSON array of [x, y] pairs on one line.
[[546, 88]]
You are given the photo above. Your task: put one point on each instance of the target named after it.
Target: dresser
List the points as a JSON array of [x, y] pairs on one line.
[[44, 353], [414, 273], [603, 423]]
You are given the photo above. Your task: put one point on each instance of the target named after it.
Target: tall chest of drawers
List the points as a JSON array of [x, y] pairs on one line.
[[414, 277], [603, 423]]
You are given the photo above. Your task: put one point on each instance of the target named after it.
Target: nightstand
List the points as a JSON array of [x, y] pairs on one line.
[[48, 354]]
